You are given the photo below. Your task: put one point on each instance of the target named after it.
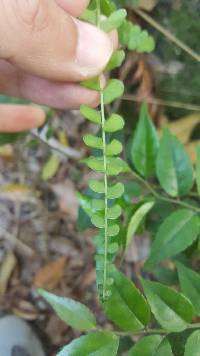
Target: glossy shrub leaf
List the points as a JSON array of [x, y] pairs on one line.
[[153, 345], [126, 306], [198, 170], [176, 233], [114, 148], [171, 309], [190, 285], [114, 123], [136, 220], [116, 60], [98, 344], [90, 114], [93, 141], [114, 21], [144, 146], [51, 167], [192, 347], [115, 191], [71, 312], [174, 168], [93, 84], [107, 7], [113, 90]]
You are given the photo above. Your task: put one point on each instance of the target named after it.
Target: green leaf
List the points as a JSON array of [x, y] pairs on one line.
[[153, 345], [136, 220], [89, 16], [116, 60], [94, 163], [171, 309], [51, 167], [113, 90], [144, 146], [97, 186], [107, 7], [10, 138], [70, 311], [113, 230], [91, 114], [190, 285], [176, 233], [114, 123], [135, 39], [98, 221], [115, 165], [93, 141], [174, 168], [192, 346], [98, 204], [97, 344], [116, 191], [126, 306], [114, 21], [198, 170], [114, 148], [114, 212], [93, 84]]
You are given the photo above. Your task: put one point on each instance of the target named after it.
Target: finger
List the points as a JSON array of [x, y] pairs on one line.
[[59, 95], [75, 8], [55, 45], [16, 118]]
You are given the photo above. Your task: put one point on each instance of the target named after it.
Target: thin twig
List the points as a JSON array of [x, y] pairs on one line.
[[16, 242], [149, 187], [160, 102], [57, 146], [167, 34]]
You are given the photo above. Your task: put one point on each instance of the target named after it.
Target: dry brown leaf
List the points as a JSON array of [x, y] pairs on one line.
[[7, 268], [66, 194], [25, 310], [191, 149], [50, 275], [184, 127], [147, 5]]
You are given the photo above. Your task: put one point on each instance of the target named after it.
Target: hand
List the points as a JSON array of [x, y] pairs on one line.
[[45, 51]]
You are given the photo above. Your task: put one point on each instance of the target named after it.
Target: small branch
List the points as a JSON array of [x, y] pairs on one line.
[[16, 242], [53, 144], [167, 34], [160, 102], [148, 186]]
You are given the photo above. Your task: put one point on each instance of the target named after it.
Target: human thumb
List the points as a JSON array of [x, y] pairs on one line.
[[39, 37]]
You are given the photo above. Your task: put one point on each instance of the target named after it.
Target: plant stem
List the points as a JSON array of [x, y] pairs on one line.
[[148, 186], [103, 134], [105, 195]]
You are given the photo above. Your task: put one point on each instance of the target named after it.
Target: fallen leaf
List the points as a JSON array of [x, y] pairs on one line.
[[68, 202], [7, 268], [183, 128], [147, 5], [25, 310], [50, 274]]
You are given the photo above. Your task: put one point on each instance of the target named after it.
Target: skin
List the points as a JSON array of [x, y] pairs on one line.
[[45, 51]]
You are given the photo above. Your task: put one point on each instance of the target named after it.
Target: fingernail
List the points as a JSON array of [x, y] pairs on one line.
[[94, 49]]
